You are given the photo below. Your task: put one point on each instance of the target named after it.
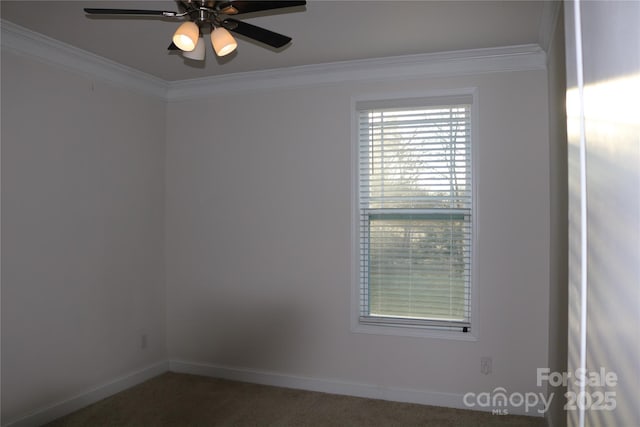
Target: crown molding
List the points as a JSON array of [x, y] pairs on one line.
[[22, 41], [455, 63], [548, 23]]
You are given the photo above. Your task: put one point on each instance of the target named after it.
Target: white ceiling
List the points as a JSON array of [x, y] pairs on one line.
[[323, 31]]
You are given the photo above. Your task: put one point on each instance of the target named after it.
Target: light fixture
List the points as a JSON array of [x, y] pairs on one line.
[[186, 36], [198, 52], [222, 41], [219, 16]]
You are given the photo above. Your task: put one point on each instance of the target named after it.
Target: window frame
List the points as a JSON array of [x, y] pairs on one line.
[[411, 328]]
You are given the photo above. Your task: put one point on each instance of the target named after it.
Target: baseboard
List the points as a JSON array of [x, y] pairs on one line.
[[423, 397], [316, 384], [57, 410]]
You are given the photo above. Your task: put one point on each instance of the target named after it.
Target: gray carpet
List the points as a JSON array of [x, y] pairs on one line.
[[175, 399]]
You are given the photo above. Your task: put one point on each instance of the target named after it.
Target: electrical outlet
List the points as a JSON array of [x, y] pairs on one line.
[[486, 365], [143, 341]]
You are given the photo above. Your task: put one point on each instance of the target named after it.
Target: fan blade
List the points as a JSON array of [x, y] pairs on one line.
[[173, 46], [92, 11], [256, 33], [236, 7]]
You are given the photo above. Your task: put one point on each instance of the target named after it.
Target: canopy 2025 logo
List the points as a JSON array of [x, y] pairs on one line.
[[593, 395], [594, 399]]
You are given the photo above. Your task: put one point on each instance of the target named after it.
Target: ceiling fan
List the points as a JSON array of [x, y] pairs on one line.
[[216, 16]]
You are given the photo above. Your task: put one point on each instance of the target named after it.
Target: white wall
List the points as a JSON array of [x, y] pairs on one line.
[[253, 201], [603, 78], [258, 226], [82, 233]]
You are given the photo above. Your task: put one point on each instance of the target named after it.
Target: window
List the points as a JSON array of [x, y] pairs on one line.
[[415, 212]]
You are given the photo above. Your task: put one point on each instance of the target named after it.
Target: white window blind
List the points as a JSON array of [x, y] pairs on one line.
[[415, 212]]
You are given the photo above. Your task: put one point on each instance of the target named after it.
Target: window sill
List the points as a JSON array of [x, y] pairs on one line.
[[411, 331]]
